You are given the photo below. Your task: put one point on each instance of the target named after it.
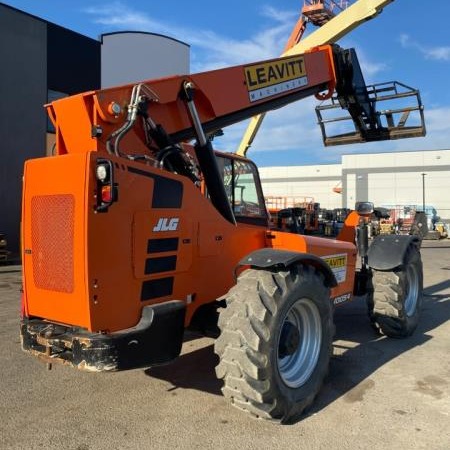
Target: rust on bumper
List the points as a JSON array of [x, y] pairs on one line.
[[156, 339]]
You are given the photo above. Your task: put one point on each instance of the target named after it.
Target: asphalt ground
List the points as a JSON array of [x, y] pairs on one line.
[[380, 393]]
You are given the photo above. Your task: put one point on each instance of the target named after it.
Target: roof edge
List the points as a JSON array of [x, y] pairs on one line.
[[143, 32]]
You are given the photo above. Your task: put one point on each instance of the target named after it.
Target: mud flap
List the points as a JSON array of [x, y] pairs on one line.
[[388, 251]]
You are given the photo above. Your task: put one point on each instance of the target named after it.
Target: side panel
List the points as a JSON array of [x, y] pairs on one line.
[[54, 239], [161, 240]]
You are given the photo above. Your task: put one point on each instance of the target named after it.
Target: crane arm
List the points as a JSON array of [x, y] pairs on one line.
[[331, 32], [147, 121], [344, 22], [98, 120]]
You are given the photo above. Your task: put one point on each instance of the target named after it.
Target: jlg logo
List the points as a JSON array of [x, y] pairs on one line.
[[166, 224]]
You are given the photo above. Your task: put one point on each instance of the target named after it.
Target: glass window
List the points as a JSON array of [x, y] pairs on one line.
[[243, 187]]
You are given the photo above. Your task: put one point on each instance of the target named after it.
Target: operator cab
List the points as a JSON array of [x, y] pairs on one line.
[[243, 188]]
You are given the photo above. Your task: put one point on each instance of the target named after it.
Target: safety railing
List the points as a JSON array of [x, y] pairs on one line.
[[401, 116]]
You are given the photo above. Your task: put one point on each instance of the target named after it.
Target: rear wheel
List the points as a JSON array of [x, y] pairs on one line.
[[394, 306], [275, 342]]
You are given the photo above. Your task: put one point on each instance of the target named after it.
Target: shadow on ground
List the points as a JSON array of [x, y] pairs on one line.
[[358, 352], [194, 370]]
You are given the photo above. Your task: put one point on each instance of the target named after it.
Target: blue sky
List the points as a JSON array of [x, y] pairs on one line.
[[408, 42]]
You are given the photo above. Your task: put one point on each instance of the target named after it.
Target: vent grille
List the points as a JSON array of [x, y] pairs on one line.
[[52, 226]]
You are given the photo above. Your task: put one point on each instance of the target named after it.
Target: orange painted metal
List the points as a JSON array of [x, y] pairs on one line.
[[323, 248], [48, 181], [110, 250], [219, 95], [89, 269], [348, 232], [296, 34]]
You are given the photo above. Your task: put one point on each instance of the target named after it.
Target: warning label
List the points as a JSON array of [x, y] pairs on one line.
[[272, 78], [338, 265]]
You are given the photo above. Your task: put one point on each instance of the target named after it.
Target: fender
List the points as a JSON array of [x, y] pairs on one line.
[[388, 252], [267, 258]]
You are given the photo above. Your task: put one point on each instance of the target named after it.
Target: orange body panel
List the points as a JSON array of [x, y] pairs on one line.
[[348, 232], [113, 263], [54, 230], [111, 250], [323, 248]]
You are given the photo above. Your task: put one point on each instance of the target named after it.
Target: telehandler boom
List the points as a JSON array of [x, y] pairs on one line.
[[130, 235]]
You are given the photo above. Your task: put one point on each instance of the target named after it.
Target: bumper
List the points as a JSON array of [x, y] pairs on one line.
[[156, 339]]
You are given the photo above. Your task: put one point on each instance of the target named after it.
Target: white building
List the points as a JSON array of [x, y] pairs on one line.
[[399, 178], [131, 56]]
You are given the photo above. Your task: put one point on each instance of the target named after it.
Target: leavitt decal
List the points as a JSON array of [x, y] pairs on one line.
[[273, 78], [338, 265]]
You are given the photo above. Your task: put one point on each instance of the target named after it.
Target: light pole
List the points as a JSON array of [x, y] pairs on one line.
[[423, 191]]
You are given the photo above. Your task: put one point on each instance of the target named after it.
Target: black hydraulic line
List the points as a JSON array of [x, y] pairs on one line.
[[238, 116], [213, 180], [207, 160]]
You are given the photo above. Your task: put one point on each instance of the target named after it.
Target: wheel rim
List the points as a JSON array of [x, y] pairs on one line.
[[299, 343], [412, 290]]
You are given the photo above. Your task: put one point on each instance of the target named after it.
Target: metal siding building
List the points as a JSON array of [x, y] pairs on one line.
[[152, 56], [23, 81], [303, 181], [397, 178], [39, 57]]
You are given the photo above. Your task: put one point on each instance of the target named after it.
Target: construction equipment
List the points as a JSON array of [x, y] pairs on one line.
[[440, 227], [4, 253], [296, 214], [130, 235], [316, 12], [335, 19], [304, 216]]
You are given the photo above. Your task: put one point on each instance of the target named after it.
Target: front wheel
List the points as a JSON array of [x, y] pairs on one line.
[[275, 342], [394, 305]]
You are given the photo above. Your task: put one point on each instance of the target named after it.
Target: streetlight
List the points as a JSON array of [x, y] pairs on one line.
[[423, 191]]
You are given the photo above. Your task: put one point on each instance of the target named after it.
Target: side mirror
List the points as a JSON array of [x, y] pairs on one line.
[[364, 208]]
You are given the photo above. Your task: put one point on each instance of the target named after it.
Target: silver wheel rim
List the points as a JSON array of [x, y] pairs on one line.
[[296, 368], [412, 290]]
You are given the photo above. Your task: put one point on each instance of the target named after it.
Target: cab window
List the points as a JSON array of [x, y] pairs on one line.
[[243, 188]]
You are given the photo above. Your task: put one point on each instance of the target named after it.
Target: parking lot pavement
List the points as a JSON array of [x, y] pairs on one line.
[[380, 393]]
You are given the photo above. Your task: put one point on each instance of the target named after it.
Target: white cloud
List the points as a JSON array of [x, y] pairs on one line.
[[293, 127], [117, 15], [209, 49], [278, 15], [370, 68], [439, 53]]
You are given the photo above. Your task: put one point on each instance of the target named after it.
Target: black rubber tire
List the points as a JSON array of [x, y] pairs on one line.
[[394, 306], [248, 345]]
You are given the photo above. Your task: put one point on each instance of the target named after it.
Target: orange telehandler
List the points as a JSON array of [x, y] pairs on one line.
[[130, 235]]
